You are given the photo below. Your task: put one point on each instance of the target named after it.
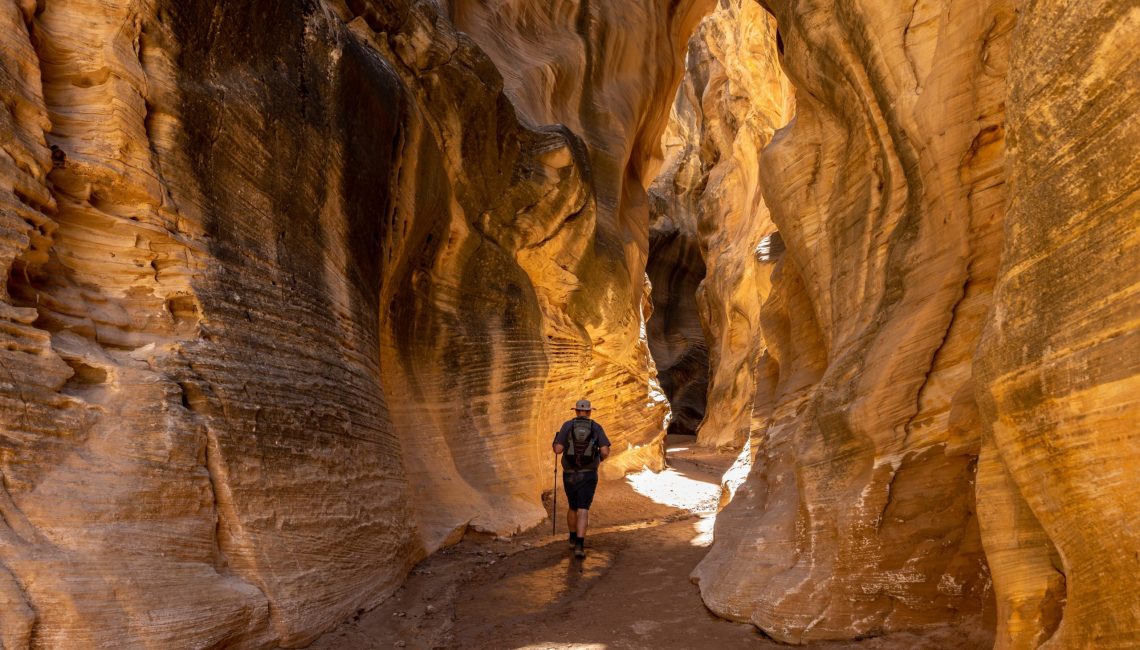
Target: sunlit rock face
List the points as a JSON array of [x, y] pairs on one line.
[[199, 233], [709, 214], [953, 169], [605, 72], [1059, 476], [295, 294], [676, 265], [858, 516]]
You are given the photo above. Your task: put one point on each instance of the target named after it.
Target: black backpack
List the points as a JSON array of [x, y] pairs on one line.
[[582, 444]]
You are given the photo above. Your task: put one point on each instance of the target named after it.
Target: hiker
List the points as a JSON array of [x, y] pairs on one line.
[[586, 446]]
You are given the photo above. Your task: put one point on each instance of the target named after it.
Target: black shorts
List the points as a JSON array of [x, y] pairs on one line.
[[580, 488]]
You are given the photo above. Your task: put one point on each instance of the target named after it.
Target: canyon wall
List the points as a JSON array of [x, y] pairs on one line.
[[494, 338], [947, 420], [606, 72], [712, 235], [858, 516], [1059, 361], [295, 294], [197, 448]]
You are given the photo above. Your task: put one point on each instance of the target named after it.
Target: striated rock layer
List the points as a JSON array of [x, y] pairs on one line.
[[605, 73], [858, 516], [197, 448], [294, 295], [574, 252], [911, 471], [708, 204], [1059, 362]]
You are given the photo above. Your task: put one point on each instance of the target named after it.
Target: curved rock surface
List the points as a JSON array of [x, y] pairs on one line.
[[295, 294], [605, 73], [911, 471], [1060, 357], [708, 203], [858, 517]]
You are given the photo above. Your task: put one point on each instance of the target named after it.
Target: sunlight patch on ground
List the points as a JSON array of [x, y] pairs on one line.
[[672, 488]]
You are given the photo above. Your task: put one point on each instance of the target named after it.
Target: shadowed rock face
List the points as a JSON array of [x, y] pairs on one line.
[[293, 298], [910, 470], [676, 336], [198, 433]]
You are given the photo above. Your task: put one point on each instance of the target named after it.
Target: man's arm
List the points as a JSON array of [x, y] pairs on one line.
[[603, 442]]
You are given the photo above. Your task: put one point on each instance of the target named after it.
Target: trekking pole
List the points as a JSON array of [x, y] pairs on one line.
[[554, 506]]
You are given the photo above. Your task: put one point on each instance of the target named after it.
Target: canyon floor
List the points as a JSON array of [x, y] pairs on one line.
[[632, 590]]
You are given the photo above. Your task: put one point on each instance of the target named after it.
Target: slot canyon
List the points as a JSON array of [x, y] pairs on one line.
[[297, 293]]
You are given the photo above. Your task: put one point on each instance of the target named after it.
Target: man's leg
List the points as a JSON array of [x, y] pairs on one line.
[[570, 481], [580, 542], [584, 496]]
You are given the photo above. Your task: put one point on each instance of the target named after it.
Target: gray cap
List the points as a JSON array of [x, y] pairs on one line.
[[583, 405]]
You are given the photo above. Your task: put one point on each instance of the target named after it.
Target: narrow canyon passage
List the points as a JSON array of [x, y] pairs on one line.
[[296, 295]]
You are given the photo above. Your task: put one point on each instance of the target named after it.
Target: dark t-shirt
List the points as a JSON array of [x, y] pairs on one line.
[[563, 436]]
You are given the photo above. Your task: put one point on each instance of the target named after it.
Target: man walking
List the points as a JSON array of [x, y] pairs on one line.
[[585, 445]]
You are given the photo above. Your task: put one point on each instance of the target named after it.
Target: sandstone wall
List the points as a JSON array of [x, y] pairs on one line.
[[709, 214], [858, 517], [1059, 362], [196, 446], [900, 442], [606, 72], [295, 295]]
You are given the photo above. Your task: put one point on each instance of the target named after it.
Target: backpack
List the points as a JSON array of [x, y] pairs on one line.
[[582, 444]]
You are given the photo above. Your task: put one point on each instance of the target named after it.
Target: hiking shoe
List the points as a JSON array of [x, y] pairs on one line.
[[573, 540], [579, 550]]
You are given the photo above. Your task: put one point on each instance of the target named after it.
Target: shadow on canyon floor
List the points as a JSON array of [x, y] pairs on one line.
[[631, 591]]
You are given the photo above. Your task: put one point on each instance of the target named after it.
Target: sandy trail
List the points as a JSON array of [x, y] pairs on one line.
[[632, 590]]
